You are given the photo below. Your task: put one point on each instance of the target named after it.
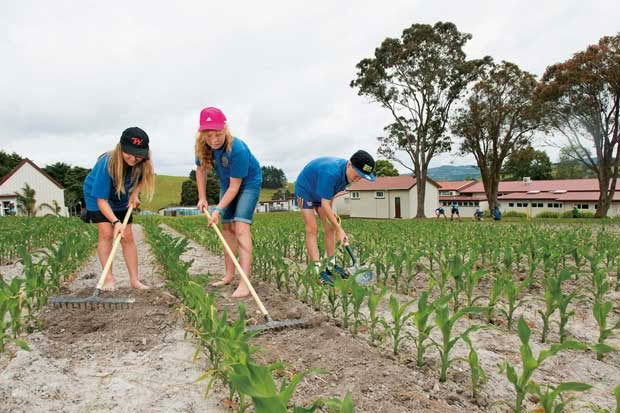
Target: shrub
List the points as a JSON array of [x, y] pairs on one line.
[[548, 214], [514, 214]]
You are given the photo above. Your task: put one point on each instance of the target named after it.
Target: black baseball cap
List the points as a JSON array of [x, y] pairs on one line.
[[135, 141], [364, 165]]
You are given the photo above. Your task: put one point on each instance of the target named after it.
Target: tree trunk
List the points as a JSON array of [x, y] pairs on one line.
[[421, 185], [604, 200]]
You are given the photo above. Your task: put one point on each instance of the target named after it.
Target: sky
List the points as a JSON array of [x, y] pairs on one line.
[[75, 74]]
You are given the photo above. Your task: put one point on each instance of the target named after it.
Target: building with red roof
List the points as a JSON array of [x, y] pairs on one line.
[[388, 197]]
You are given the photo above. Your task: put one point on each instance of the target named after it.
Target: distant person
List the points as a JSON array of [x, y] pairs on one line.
[[575, 212], [240, 182], [315, 188], [478, 215], [497, 215], [112, 185], [440, 212], [454, 211]]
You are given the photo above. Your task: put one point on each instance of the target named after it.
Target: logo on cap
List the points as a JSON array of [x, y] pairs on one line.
[[208, 119], [136, 141], [367, 168]]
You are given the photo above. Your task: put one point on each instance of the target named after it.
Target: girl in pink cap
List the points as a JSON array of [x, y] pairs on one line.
[[240, 182]]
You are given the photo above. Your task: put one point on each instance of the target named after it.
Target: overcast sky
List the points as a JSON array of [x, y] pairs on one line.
[[75, 74]]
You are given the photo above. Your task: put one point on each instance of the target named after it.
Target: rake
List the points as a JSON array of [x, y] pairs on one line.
[[270, 323], [95, 301]]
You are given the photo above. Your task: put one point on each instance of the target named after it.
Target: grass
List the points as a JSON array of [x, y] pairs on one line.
[[168, 192]]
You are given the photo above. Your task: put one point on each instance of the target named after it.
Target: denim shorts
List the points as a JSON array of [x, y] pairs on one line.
[[304, 204], [241, 208]]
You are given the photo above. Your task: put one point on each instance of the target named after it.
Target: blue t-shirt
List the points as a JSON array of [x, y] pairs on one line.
[[99, 184], [238, 163], [322, 178]]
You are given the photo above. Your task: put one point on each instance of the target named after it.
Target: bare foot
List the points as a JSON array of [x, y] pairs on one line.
[[108, 285], [223, 281], [241, 291], [139, 285]]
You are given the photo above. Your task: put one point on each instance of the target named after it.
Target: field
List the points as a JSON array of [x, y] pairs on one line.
[[168, 192], [463, 316]]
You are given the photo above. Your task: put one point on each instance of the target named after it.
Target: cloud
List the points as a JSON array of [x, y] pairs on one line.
[[75, 74]]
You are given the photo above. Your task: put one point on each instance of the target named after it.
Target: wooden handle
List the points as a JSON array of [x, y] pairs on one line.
[[238, 266], [117, 241]]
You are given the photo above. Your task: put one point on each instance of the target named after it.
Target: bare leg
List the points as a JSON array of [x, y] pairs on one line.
[[311, 234], [104, 247], [244, 241], [330, 234], [228, 232], [130, 252]]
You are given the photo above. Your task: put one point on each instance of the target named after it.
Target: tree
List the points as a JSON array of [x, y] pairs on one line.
[[74, 187], [273, 177], [569, 168], [528, 162], [500, 116], [8, 162], [26, 202], [189, 190], [583, 94], [385, 168], [58, 171], [55, 208], [417, 79]]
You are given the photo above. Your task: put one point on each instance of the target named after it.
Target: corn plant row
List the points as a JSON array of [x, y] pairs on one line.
[[225, 344], [31, 233], [22, 298]]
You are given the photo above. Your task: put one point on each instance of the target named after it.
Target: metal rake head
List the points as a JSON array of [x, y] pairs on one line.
[[277, 325], [92, 302]]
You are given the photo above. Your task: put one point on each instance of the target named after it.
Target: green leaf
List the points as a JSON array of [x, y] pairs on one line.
[[22, 344]]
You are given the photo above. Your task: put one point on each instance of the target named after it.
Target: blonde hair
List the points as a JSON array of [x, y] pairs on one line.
[[142, 173], [203, 151]]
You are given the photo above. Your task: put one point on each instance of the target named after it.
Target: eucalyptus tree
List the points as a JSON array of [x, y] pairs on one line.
[[417, 78], [500, 116], [583, 96]]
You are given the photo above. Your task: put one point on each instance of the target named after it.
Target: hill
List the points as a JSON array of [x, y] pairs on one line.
[[168, 192], [454, 172]]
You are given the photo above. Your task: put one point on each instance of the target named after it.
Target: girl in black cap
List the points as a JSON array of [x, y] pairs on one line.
[[115, 181]]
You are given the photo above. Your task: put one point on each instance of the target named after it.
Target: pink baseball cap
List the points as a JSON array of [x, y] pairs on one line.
[[211, 118]]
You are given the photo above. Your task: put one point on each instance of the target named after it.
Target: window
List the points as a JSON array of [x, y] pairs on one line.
[[460, 203], [525, 205], [519, 205], [477, 203], [355, 195], [379, 195], [541, 205], [549, 205], [511, 204], [534, 204], [583, 206]]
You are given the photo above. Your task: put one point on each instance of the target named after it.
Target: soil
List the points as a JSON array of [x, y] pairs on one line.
[[138, 360]]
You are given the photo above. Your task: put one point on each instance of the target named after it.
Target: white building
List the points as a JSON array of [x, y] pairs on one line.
[[530, 197], [391, 197], [47, 190]]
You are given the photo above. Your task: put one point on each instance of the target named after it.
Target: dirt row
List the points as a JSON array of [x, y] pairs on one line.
[[104, 360], [380, 381]]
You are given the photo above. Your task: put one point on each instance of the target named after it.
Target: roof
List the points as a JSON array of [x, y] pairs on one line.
[[570, 185], [592, 196], [22, 163], [402, 182], [462, 198], [454, 185]]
